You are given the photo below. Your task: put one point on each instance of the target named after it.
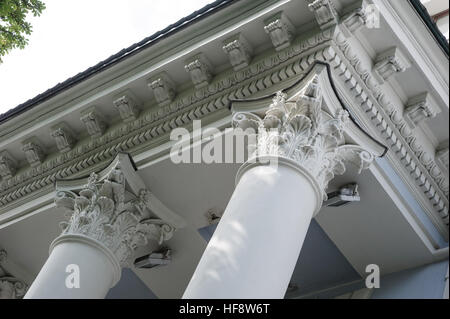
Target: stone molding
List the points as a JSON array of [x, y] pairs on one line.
[[152, 124], [330, 45], [392, 126], [298, 129]]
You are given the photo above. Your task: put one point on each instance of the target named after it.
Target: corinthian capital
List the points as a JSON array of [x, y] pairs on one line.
[[121, 219], [300, 130], [10, 286]]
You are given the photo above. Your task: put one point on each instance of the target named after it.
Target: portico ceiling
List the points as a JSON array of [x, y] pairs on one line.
[[400, 221], [371, 231]]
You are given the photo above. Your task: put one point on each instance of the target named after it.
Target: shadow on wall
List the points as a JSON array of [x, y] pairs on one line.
[[426, 282], [130, 287]]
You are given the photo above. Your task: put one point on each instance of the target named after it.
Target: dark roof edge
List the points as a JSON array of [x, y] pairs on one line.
[[423, 13], [119, 56]]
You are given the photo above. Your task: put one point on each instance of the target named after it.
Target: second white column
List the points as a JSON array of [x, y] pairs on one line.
[[256, 245]]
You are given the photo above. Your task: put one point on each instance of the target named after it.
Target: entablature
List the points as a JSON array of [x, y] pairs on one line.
[[107, 122]]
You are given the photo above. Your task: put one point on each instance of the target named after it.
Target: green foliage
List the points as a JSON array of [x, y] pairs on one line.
[[13, 25]]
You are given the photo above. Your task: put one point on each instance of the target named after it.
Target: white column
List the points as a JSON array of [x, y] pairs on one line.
[[97, 271], [112, 214], [256, 245], [254, 249]]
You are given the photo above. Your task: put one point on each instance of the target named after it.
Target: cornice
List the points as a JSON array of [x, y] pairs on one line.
[[268, 72], [392, 126], [264, 73]]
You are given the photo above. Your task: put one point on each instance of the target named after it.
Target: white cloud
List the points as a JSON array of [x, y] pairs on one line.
[[71, 36]]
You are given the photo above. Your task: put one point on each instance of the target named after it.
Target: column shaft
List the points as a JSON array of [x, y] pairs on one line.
[[255, 247], [97, 273]]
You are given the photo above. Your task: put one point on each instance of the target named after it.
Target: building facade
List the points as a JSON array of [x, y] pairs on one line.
[[254, 149]]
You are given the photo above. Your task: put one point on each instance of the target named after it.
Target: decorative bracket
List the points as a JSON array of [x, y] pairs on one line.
[[420, 108], [94, 122], [280, 29], [388, 63], [7, 165], [325, 12], [33, 150], [63, 136], [127, 106], [238, 50], [163, 88], [199, 69]]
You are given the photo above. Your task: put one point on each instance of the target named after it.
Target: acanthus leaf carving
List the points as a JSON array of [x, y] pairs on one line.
[[301, 131], [419, 108], [104, 211]]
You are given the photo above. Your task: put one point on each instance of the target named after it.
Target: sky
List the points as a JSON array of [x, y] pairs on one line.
[[73, 35]]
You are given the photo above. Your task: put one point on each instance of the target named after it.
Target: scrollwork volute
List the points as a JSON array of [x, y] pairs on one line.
[[301, 131], [106, 212]]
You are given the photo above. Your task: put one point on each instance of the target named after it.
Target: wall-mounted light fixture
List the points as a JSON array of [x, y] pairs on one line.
[[343, 196]]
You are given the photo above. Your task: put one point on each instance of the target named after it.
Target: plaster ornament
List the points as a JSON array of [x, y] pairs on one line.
[[64, 137], [95, 125], [388, 63], [163, 89], [239, 51], [127, 107], [325, 12], [33, 152], [280, 30], [418, 109], [301, 131], [200, 71], [104, 211], [10, 287], [7, 165]]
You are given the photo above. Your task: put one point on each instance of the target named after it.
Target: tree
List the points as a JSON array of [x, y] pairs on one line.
[[13, 25]]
